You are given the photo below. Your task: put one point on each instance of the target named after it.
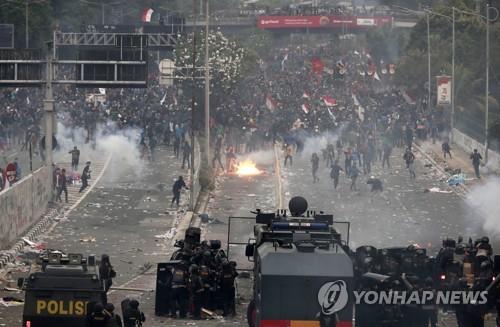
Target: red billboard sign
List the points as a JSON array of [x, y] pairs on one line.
[[272, 22]]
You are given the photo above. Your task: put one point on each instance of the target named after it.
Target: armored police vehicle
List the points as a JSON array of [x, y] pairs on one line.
[[302, 269], [60, 290]]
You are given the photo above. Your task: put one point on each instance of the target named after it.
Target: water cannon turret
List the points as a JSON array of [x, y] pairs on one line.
[[297, 206]]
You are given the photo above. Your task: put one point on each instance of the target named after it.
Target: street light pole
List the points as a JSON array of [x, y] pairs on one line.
[[193, 104], [49, 113], [26, 23], [428, 63], [102, 13], [452, 120], [207, 85], [486, 127]]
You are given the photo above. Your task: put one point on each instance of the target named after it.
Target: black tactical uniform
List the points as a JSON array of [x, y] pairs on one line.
[[132, 316], [227, 287], [180, 293], [197, 291], [98, 317]]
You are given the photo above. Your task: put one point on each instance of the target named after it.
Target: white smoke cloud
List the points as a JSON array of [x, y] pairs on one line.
[[121, 144], [317, 143], [484, 199]]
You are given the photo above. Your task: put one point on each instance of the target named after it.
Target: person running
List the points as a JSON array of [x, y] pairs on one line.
[[377, 189], [335, 173], [409, 159], [176, 189], [446, 149], [315, 166], [354, 173], [288, 154], [85, 177]]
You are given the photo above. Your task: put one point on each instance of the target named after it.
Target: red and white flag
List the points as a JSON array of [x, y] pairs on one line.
[[146, 15], [306, 95], [329, 101], [306, 108], [270, 103], [317, 65]]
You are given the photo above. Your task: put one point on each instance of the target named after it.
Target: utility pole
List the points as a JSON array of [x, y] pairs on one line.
[[486, 127], [452, 120], [102, 13], [207, 85], [48, 104], [428, 63], [193, 104], [26, 12]]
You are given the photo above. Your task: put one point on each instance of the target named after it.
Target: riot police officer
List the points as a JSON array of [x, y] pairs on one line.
[[180, 295], [132, 316], [227, 287], [197, 290], [98, 317], [209, 286]]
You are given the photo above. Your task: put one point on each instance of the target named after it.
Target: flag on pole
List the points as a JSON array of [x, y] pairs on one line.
[[285, 58], [306, 108], [146, 15], [329, 101], [163, 99], [270, 103], [331, 114]]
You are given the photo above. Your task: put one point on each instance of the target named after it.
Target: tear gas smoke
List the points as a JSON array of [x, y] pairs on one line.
[[121, 144], [315, 144], [484, 198]]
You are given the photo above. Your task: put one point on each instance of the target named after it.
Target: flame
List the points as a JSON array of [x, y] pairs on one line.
[[247, 168]]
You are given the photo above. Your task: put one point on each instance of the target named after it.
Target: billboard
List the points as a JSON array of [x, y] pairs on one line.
[[443, 90], [276, 22], [6, 36]]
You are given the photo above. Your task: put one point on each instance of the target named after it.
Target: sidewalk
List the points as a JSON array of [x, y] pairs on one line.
[[461, 160]]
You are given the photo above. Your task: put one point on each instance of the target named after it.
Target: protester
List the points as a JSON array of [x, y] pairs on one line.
[[85, 177], [446, 149], [176, 189], [75, 158], [476, 161], [315, 166]]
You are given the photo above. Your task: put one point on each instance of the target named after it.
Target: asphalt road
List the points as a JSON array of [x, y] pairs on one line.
[[120, 217], [404, 215]]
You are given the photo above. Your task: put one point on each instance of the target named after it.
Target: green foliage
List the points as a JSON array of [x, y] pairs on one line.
[[225, 58]]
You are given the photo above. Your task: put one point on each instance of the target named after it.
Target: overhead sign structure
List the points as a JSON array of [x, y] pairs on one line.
[[443, 90], [276, 22]]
